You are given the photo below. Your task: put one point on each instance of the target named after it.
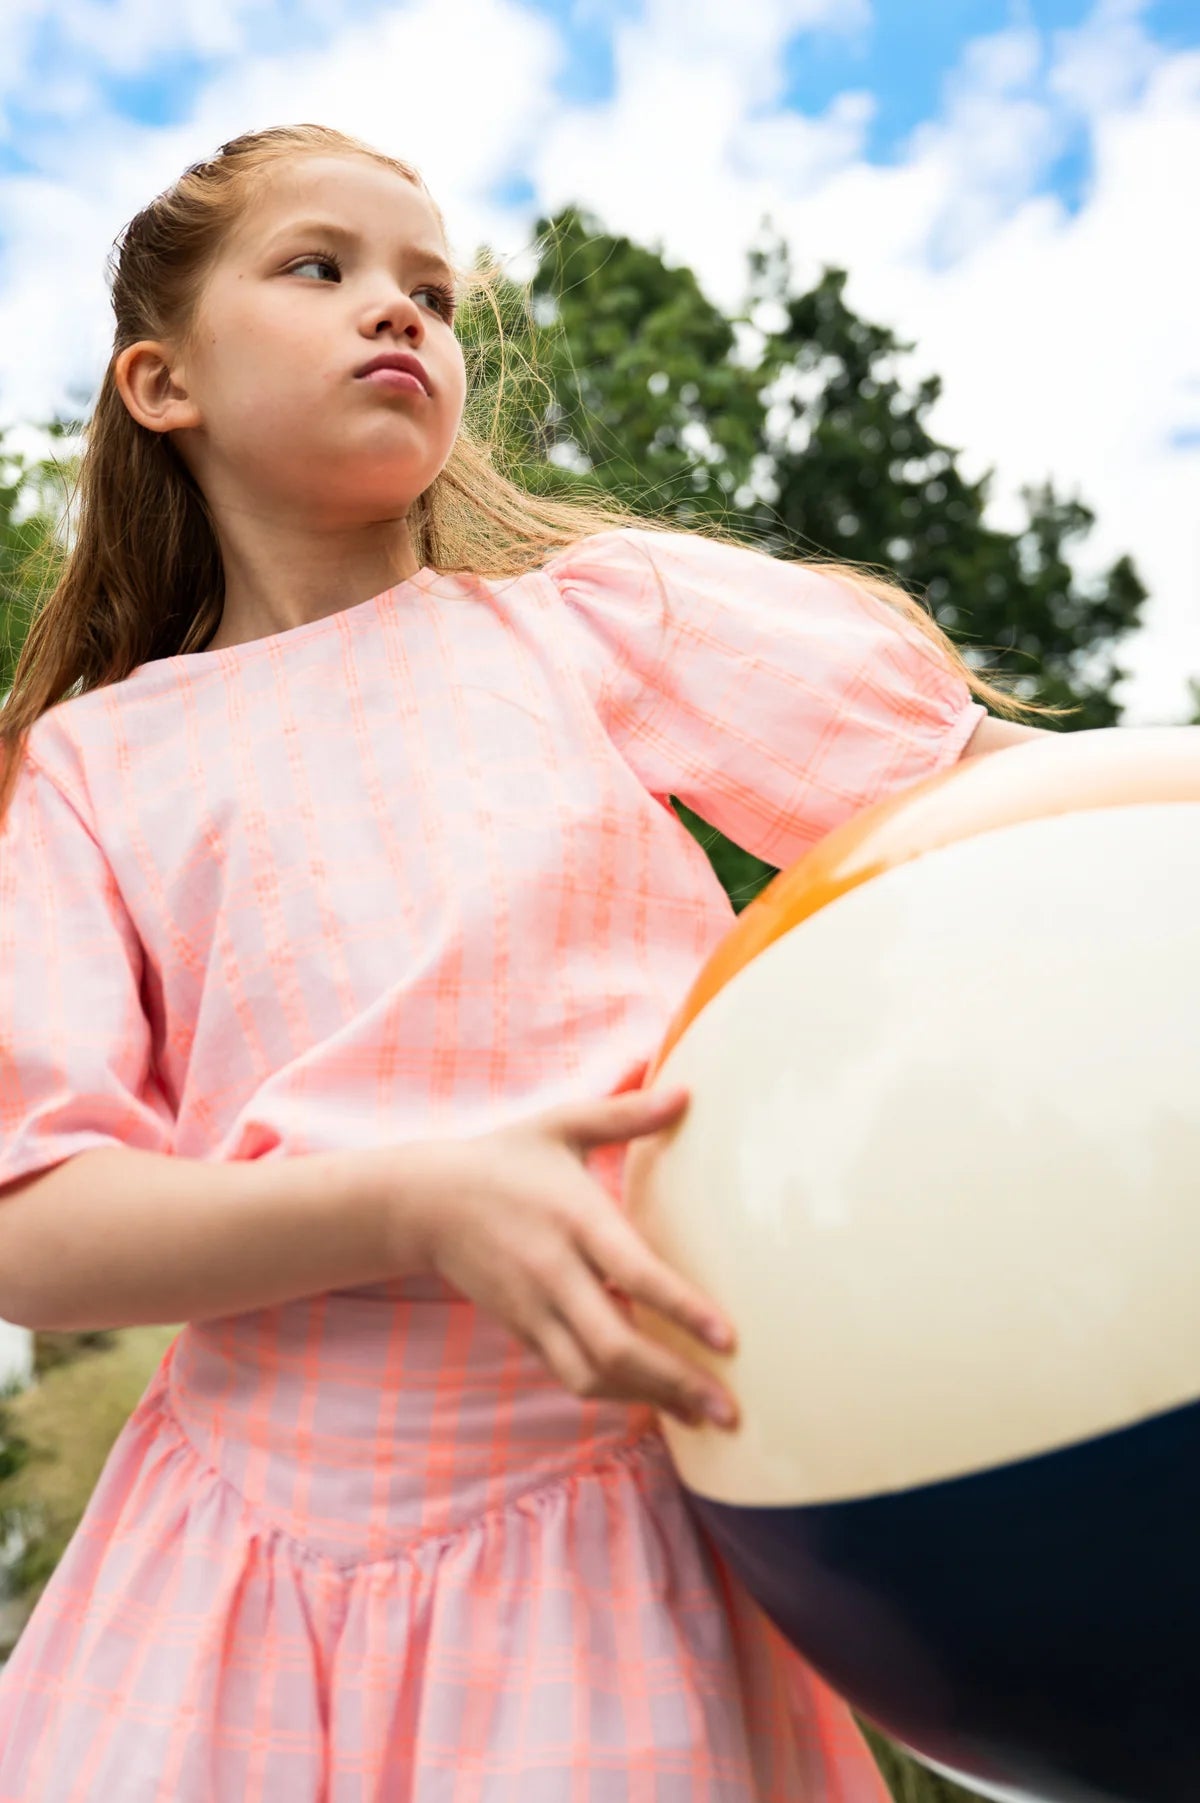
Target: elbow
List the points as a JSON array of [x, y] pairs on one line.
[[21, 1308], [17, 1317], [16, 1305], [19, 1305]]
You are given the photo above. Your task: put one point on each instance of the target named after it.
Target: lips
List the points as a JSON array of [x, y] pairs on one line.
[[400, 360]]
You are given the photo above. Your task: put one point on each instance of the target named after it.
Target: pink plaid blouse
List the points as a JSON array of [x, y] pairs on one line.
[[410, 870]]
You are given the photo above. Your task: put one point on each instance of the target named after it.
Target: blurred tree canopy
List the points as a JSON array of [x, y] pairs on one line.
[[791, 422], [32, 497]]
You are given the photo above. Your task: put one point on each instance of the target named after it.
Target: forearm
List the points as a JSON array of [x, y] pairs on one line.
[[117, 1238]]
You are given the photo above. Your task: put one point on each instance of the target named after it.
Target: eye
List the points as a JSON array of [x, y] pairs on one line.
[[445, 295], [317, 257], [446, 298]]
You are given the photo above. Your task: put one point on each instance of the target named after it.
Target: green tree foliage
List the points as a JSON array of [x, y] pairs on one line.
[[859, 475], [32, 492], [636, 386]]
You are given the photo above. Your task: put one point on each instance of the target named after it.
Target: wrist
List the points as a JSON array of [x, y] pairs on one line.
[[391, 1198]]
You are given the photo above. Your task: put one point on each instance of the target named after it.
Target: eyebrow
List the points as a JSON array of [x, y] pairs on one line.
[[421, 255]]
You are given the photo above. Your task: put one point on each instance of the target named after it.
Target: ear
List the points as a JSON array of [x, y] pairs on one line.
[[154, 391]]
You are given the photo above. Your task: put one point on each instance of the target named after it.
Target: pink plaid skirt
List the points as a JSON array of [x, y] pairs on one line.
[[364, 1548]]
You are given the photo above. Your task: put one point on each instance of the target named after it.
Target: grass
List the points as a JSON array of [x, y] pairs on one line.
[[59, 1433], [908, 1781]]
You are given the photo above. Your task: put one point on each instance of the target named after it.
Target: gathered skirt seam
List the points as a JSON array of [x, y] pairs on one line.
[[619, 1452]]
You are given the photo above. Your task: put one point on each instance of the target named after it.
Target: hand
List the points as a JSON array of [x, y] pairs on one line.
[[517, 1224]]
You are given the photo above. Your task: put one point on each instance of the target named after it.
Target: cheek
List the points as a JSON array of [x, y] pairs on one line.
[[259, 410], [452, 398], [459, 378], [272, 385]]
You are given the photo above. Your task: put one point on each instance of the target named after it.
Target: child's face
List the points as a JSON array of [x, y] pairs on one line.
[[277, 414]]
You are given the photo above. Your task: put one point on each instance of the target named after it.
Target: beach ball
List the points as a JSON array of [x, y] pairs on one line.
[[941, 1167]]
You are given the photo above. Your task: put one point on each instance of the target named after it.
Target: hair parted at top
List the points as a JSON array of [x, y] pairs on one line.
[[140, 575]]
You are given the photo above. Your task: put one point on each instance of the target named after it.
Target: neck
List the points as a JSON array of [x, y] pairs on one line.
[[285, 579]]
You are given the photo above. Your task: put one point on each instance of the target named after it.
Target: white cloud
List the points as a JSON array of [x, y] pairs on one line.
[[991, 143], [63, 44], [1103, 63], [705, 33], [383, 80], [1067, 344], [126, 37]]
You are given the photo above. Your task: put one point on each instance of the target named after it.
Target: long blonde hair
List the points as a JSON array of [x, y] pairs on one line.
[[142, 577]]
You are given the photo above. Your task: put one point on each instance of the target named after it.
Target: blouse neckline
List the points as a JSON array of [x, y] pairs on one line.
[[292, 635]]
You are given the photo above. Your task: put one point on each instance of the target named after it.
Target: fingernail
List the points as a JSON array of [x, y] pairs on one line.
[[718, 1335], [721, 1411]]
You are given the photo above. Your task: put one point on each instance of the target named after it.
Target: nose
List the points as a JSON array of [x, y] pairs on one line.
[[399, 314]]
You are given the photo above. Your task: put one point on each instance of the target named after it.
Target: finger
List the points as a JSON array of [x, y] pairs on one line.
[[619, 1253], [627, 1116], [629, 1361], [563, 1354]]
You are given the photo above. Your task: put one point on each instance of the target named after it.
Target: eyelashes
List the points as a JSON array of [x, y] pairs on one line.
[[446, 296], [447, 299]]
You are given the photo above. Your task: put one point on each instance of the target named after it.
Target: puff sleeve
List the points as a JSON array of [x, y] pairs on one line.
[[75, 1044], [775, 701]]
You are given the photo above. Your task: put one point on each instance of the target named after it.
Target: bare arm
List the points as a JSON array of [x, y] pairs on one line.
[[511, 1218], [995, 735], [116, 1237]]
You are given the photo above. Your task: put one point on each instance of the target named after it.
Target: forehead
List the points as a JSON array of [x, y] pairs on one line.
[[365, 196]]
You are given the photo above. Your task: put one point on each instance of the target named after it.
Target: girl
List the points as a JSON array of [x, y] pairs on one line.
[[332, 930]]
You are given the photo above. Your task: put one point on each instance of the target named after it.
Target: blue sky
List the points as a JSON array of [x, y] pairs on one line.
[[902, 55], [1023, 174], [908, 52]]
